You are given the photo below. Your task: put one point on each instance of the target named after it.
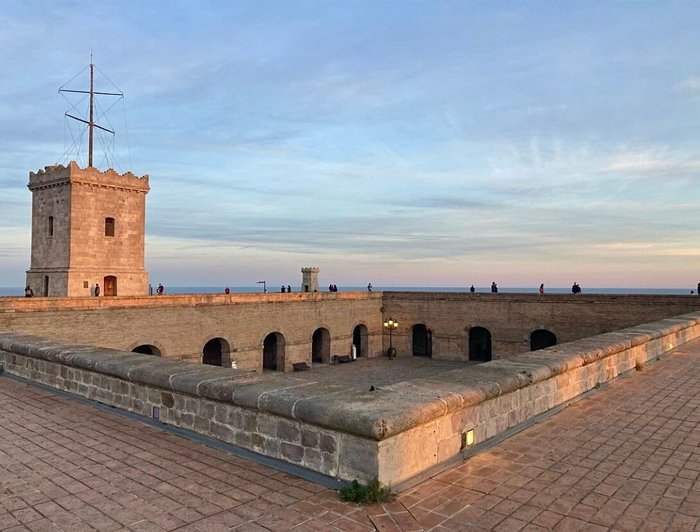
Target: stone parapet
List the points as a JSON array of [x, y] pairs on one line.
[[397, 432], [55, 175], [39, 304]]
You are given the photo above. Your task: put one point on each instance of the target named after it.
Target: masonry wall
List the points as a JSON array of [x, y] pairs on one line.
[[511, 318], [180, 326]]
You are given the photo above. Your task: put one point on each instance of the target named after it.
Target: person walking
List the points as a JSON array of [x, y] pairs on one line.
[[97, 290]]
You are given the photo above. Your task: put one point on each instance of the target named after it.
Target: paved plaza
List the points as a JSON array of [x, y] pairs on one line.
[[627, 457]]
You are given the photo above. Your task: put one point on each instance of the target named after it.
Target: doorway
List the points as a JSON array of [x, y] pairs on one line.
[[110, 285]]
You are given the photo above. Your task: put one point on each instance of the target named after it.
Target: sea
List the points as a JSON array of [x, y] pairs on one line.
[[19, 291]]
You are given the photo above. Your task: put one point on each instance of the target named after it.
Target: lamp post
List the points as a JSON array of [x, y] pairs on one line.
[[391, 325], [264, 283]]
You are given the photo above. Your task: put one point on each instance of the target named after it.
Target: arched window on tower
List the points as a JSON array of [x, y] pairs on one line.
[[109, 226]]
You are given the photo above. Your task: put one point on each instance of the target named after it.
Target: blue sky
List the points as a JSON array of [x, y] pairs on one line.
[[427, 143]]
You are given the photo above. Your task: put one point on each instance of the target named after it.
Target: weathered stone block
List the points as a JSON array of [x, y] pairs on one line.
[[292, 453], [288, 431], [309, 438]]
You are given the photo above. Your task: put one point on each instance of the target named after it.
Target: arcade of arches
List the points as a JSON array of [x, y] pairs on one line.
[[217, 351]]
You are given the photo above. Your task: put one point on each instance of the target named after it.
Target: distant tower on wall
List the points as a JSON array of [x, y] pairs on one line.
[[309, 279], [87, 229]]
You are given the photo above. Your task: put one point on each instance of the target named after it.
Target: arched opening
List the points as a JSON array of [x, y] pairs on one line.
[[422, 341], [359, 340], [273, 352], [146, 349], [110, 285], [541, 339], [216, 352], [479, 344], [109, 226], [321, 345]]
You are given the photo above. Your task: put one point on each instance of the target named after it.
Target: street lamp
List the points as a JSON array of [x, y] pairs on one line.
[[264, 283], [391, 325]]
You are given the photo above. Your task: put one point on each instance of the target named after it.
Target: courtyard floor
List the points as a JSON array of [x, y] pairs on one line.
[[625, 458]]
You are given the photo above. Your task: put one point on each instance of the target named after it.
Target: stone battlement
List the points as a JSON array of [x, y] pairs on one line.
[[55, 175]]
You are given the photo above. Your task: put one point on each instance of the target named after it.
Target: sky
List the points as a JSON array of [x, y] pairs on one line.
[[403, 143]]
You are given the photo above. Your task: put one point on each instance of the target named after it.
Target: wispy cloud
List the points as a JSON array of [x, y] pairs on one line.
[[393, 141]]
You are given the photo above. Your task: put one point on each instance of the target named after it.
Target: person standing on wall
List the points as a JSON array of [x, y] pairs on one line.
[[494, 288], [160, 289], [28, 292], [542, 288], [97, 290]]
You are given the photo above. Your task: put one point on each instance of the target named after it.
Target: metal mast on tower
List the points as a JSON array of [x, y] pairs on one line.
[[91, 122]]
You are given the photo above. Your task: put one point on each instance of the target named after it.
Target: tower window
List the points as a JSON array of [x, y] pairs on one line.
[[50, 225], [109, 226]]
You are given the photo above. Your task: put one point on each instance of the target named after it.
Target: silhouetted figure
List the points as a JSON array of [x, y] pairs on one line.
[[494, 288], [542, 288], [369, 287], [472, 289], [97, 290], [698, 289], [160, 289], [575, 289], [330, 287], [283, 289], [227, 290], [289, 289], [28, 292]]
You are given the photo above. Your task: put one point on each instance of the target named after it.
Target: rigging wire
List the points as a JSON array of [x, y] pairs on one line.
[[76, 106]]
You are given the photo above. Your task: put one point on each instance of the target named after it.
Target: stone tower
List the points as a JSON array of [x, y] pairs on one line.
[[309, 279], [87, 229]]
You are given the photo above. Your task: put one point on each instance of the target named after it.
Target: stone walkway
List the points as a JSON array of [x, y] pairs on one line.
[[625, 458]]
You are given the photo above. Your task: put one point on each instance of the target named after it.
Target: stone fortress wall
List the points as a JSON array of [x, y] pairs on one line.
[[399, 432], [179, 326]]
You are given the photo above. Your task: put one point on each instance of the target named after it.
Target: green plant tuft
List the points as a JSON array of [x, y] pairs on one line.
[[372, 493]]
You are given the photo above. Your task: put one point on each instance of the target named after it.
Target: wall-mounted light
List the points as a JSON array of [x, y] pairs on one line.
[[470, 438]]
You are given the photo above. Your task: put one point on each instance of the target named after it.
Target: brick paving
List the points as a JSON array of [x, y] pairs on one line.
[[625, 458]]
